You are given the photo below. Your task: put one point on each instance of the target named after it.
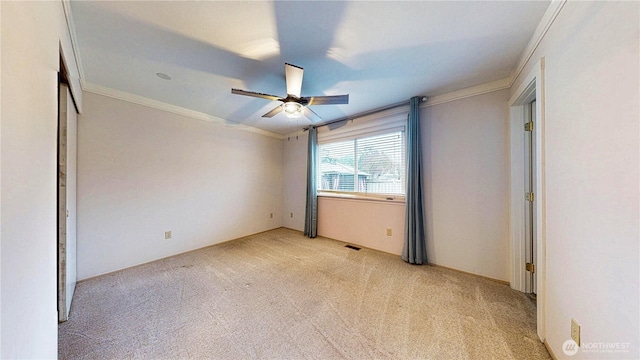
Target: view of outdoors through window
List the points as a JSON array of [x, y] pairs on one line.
[[374, 164]]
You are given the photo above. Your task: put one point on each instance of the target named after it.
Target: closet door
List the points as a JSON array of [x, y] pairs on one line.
[[67, 160]]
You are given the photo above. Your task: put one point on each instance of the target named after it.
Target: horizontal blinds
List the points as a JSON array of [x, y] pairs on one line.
[[365, 164], [363, 129], [352, 135]]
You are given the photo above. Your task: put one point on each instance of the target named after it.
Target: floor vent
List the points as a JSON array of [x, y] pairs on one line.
[[352, 247]]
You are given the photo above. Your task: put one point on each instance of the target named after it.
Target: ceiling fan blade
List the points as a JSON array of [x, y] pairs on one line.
[[326, 100], [255, 94], [311, 115], [276, 110], [293, 76]]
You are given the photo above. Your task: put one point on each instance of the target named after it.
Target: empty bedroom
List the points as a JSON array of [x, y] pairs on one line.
[[319, 179]]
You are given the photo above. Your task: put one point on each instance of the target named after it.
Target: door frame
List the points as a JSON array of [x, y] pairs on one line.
[[531, 88], [530, 186]]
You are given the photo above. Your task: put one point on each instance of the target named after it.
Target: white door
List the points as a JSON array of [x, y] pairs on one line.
[[67, 161]]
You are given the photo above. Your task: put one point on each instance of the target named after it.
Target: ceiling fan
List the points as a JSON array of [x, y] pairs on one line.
[[295, 105]]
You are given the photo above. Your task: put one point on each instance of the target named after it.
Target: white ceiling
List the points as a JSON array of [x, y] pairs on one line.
[[378, 52]]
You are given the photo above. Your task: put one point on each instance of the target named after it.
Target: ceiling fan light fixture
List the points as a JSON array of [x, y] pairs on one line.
[[292, 109]]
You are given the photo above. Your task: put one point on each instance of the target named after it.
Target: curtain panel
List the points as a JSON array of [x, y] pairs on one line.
[[414, 251], [311, 211]]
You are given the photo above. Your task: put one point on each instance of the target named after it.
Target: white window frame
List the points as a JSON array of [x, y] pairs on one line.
[[363, 128]]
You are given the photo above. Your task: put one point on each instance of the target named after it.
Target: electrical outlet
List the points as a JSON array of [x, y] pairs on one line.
[[167, 235], [291, 215], [575, 331], [388, 231], [271, 215]]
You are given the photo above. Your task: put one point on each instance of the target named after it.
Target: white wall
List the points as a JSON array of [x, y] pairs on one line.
[[143, 171], [592, 174], [32, 34], [363, 222], [466, 184], [295, 180]]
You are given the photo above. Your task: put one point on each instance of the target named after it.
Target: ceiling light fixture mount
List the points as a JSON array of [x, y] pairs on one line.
[[292, 109]]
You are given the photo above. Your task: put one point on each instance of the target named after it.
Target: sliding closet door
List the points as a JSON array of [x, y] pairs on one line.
[[67, 160]]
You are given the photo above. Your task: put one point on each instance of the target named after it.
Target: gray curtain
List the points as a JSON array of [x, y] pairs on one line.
[[311, 212], [414, 250]]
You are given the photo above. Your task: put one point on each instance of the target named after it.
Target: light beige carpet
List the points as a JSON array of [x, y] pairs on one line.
[[280, 295]]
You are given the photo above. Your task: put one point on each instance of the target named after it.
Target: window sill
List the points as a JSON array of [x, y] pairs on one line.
[[351, 196]]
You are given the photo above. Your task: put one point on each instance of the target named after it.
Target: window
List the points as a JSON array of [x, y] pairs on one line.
[[370, 163]]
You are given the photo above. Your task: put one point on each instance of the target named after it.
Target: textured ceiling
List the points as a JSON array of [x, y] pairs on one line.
[[378, 52]]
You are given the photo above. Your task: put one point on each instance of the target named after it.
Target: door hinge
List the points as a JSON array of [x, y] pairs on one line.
[[528, 126], [529, 196], [530, 267]]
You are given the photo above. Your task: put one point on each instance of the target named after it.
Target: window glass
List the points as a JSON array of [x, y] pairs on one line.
[[369, 164]]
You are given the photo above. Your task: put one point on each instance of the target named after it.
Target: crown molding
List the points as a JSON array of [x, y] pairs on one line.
[[543, 26], [71, 57], [541, 30], [468, 92], [71, 27], [144, 101]]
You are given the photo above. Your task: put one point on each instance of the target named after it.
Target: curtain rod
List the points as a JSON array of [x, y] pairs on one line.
[[366, 113]]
